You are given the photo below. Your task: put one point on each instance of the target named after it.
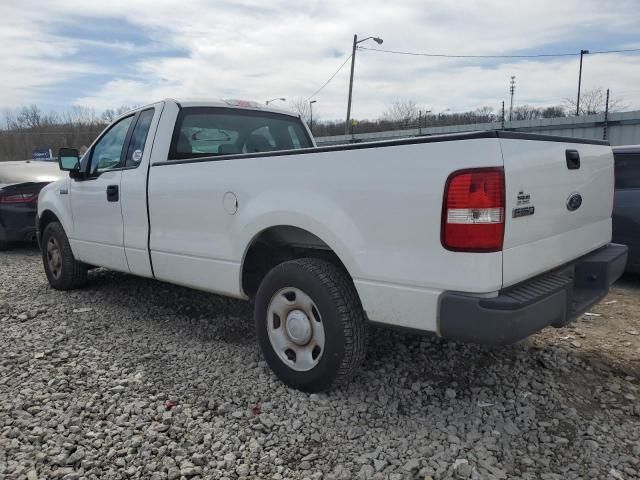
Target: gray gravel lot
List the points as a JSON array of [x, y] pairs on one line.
[[132, 378]]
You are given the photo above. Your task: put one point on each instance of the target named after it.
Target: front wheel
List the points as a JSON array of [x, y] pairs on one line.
[[63, 271], [310, 324]]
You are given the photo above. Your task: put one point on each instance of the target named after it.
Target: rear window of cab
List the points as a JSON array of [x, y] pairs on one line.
[[213, 131]]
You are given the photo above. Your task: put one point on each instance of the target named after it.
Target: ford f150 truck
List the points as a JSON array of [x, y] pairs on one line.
[[481, 237]]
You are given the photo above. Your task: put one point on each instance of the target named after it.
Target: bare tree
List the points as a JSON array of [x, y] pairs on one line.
[[483, 115], [110, 114], [402, 111], [302, 108], [553, 112], [9, 118], [80, 115], [594, 101], [29, 117]]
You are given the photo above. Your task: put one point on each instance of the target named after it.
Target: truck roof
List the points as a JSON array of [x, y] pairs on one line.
[[226, 103], [231, 103]]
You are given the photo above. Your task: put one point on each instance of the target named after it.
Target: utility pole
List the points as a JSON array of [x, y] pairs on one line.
[[353, 63], [512, 89], [502, 115], [582, 52], [606, 117], [311, 114], [378, 40]]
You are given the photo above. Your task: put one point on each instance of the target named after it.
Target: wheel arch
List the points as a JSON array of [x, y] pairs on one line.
[[46, 217], [278, 243]]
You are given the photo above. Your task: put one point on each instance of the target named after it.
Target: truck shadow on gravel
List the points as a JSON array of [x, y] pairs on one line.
[[629, 280], [203, 315], [425, 365]]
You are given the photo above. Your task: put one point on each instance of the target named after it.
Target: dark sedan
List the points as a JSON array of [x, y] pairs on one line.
[[20, 184], [626, 212]]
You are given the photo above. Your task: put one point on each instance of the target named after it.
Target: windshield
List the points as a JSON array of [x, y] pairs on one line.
[[212, 131]]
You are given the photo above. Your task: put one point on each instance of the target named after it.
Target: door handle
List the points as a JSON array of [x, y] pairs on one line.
[[573, 159], [112, 193]]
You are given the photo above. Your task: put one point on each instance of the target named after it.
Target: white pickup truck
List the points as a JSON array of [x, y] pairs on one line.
[[481, 237]]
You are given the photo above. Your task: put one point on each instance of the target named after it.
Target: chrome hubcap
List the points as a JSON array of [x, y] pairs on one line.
[[54, 257], [295, 329]]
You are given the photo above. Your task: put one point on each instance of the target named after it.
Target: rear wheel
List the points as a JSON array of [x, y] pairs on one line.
[[63, 271], [310, 324]]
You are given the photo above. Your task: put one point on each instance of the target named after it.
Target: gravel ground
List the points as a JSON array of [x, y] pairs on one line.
[[132, 378]]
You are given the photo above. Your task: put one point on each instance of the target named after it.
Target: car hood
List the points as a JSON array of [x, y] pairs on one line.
[[12, 173]]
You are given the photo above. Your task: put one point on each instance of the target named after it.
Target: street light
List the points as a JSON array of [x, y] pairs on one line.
[[442, 113], [311, 114], [378, 40], [420, 112], [274, 99], [582, 52]]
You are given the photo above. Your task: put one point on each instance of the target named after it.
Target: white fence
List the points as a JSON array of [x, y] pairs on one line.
[[623, 128]]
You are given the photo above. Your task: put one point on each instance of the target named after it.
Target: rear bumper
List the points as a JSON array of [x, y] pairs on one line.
[[17, 223], [554, 299]]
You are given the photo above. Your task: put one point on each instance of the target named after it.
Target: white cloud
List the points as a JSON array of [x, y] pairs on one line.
[[31, 61], [258, 50]]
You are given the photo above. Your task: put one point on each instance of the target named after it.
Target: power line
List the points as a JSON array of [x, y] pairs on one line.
[[327, 82], [615, 51], [416, 54], [538, 55]]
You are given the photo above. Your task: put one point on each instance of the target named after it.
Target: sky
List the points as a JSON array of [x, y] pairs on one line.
[[104, 54]]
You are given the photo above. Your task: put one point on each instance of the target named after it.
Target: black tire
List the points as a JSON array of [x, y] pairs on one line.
[[4, 246], [343, 321], [70, 274]]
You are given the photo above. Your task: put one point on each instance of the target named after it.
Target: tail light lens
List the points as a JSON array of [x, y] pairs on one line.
[[18, 198], [473, 211]]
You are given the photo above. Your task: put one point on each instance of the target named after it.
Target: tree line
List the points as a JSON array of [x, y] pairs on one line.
[[27, 128], [405, 113]]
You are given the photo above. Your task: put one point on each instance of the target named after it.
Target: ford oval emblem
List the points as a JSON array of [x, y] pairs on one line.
[[574, 201]]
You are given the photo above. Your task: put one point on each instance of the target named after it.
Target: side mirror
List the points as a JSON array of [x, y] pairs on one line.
[[69, 159]]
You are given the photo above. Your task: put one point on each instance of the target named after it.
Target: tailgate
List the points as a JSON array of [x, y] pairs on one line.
[[554, 213]]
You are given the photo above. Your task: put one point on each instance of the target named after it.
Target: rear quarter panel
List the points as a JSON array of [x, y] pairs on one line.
[[379, 209]]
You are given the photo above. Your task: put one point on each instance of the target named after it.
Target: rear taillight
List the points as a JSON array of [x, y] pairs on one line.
[[18, 197], [473, 211]]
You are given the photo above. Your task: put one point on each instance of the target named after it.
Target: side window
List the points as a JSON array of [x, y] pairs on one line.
[[138, 138], [627, 167], [106, 153]]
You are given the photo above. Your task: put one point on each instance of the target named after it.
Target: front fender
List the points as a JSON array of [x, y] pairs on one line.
[[56, 198]]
